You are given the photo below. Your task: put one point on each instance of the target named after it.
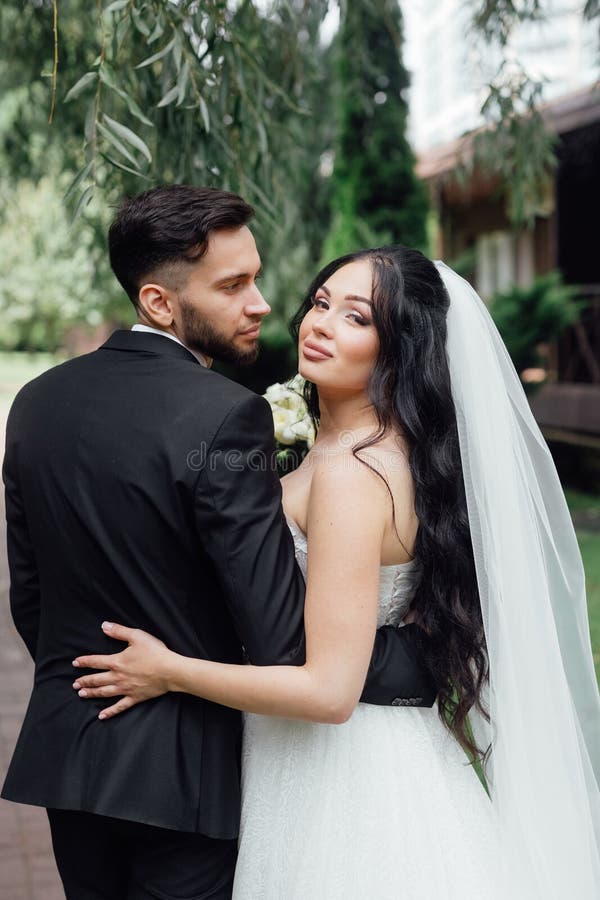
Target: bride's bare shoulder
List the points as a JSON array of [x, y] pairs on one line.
[[371, 487], [346, 499], [336, 473], [345, 473], [388, 458]]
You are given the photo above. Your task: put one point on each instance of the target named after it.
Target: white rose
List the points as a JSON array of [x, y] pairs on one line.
[[287, 437], [283, 419], [296, 403], [275, 393], [297, 383], [301, 430], [290, 415]]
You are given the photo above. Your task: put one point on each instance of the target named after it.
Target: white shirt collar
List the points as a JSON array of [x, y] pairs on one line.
[[199, 356]]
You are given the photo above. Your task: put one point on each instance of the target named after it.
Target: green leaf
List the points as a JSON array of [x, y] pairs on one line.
[[182, 82], [81, 176], [117, 144], [178, 51], [90, 122], [80, 86], [139, 22], [135, 110], [128, 135], [205, 116], [123, 167], [115, 6], [171, 95], [119, 34], [262, 136], [159, 29], [82, 203], [152, 59], [107, 75]]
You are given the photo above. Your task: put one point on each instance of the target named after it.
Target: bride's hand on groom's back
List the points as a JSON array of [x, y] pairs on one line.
[[140, 672]]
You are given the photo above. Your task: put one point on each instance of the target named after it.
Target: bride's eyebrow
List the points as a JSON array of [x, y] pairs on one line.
[[356, 298], [351, 298]]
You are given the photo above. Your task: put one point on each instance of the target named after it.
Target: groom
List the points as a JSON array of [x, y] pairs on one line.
[[140, 488]]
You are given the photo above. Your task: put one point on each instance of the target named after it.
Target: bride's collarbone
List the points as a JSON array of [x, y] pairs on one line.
[[296, 491]]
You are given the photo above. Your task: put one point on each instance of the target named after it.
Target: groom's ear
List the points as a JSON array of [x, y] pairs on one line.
[[155, 304]]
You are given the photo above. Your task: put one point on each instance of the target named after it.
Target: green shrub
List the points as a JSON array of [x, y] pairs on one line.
[[528, 317]]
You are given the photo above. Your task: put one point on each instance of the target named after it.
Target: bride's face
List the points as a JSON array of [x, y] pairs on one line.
[[338, 342]]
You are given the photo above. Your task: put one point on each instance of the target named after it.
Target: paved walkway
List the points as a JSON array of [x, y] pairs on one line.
[[27, 869]]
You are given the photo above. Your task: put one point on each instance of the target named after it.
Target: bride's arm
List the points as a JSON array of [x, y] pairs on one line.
[[347, 512]]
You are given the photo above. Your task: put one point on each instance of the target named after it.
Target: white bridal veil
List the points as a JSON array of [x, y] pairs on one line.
[[544, 767]]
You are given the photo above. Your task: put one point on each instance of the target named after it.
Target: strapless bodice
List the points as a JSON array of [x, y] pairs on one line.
[[397, 583]]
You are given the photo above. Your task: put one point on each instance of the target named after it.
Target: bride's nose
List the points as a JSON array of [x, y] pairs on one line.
[[323, 325]]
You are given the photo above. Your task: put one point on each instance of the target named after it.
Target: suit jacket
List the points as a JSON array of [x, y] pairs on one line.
[[140, 488]]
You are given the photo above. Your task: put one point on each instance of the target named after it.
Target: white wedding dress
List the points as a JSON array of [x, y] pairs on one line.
[[383, 807]]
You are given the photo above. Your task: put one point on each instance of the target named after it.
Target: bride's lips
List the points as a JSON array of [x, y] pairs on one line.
[[314, 351]]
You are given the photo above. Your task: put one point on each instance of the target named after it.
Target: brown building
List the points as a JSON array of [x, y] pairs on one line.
[[473, 217]]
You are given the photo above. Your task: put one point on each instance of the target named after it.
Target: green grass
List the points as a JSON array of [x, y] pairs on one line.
[[589, 544], [586, 511], [580, 502]]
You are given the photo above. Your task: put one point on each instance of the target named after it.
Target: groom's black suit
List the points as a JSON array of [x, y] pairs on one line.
[[140, 489]]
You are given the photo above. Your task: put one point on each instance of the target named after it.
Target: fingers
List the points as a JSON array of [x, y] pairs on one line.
[[113, 630], [118, 707], [93, 681], [119, 632], [95, 662], [107, 690]]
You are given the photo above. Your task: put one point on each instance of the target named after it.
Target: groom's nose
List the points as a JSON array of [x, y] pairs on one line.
[[257, 305]]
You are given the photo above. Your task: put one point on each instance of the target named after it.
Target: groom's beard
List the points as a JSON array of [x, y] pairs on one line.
[[199, 335]]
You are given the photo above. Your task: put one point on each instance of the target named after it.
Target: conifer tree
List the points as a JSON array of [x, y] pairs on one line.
[[376, 195]]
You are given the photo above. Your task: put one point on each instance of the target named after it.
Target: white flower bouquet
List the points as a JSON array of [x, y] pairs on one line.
[[293, 425]]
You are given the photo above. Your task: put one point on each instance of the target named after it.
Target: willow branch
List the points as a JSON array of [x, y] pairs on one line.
[[55, 68], [98, 88]]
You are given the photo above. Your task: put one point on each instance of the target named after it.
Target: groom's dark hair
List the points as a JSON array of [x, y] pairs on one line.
[[164, 230]]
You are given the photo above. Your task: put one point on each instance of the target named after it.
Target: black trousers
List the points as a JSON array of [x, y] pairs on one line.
[[100, 858]]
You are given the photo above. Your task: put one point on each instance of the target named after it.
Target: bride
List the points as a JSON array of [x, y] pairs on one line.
[[429, 496]]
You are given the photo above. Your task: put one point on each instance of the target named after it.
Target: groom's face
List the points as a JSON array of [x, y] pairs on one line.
[[218, 311]]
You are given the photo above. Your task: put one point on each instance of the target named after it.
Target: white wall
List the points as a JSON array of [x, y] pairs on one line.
[[449, 66]]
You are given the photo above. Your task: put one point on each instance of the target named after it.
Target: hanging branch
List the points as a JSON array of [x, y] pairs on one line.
[[94, 137], [55, 68]]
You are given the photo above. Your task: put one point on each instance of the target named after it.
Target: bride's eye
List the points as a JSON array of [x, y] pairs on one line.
[[360, 320], [319, 303]]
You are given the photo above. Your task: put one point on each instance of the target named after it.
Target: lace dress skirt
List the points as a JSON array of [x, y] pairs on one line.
[[384, 806]]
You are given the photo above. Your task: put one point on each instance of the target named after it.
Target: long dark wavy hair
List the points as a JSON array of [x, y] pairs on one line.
[[410, 391]]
